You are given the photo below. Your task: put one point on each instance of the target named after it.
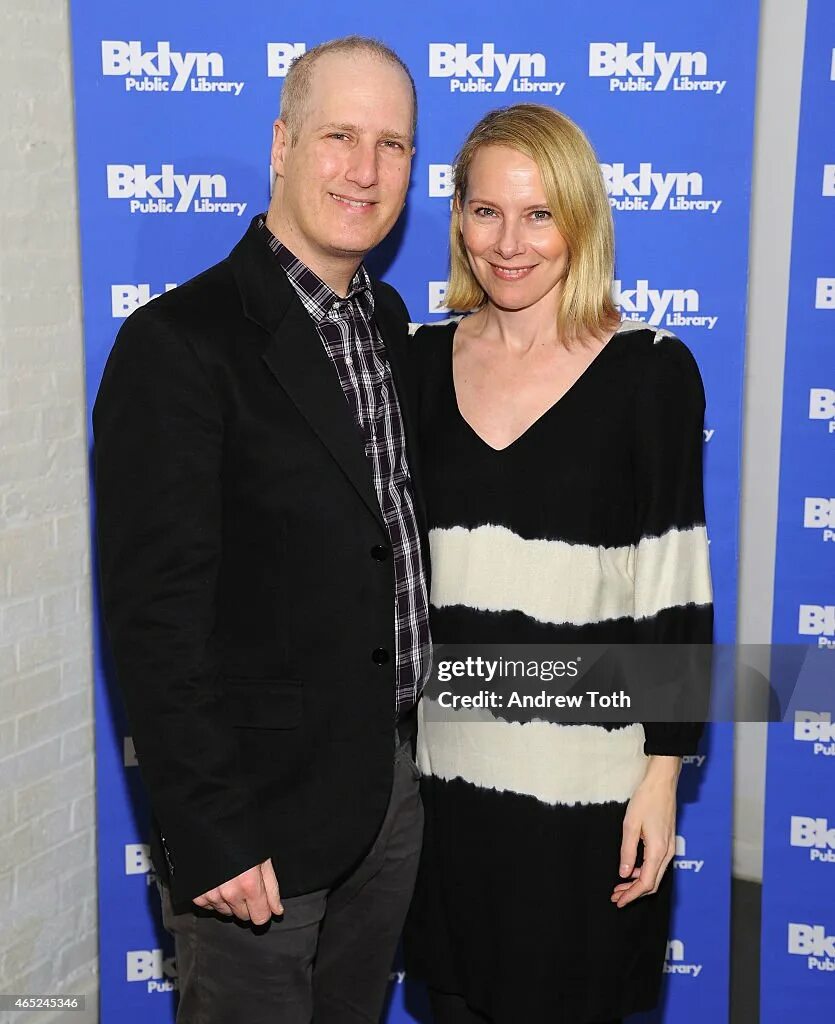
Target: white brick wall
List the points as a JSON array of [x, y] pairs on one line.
[[47, 854]]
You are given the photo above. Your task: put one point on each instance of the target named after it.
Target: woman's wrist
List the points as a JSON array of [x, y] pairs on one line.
[[663, 766]]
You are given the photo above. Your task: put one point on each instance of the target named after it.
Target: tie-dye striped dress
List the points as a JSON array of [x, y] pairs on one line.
[[589, 528]]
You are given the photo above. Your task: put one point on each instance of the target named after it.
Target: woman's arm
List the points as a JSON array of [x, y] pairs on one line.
[[673, 598]]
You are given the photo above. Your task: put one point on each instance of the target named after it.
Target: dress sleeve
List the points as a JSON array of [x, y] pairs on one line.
[[673, 594]]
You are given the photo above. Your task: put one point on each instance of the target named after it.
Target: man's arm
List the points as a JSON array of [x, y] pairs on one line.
[[158, 448]]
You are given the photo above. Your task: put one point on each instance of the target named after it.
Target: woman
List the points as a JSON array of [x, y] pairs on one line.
[[563, 478]]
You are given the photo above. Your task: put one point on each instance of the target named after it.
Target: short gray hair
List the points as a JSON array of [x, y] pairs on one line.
[[297, 83]]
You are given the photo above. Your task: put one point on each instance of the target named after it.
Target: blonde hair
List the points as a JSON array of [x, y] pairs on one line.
[[576, 197], [300, 74]]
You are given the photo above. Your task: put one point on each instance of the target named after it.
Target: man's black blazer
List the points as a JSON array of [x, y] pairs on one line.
[[243, 584]]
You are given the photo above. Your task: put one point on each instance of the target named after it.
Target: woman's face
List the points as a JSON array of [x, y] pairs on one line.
[[515, 250]]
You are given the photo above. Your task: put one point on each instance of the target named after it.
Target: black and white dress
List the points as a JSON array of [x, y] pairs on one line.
[[589, 528]]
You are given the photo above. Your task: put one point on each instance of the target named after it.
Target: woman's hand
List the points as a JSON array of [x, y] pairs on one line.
[[651, 816]]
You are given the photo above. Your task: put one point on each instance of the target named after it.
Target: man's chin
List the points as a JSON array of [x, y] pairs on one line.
[[356, 246], [356, 240]]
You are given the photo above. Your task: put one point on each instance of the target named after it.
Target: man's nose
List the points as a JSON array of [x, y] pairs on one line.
[[363, 168]]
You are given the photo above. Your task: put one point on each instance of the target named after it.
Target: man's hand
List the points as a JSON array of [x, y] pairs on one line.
[[252, 896], [650, 816]]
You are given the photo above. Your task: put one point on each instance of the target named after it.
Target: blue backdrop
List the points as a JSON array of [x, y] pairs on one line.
[[174, 106], [798, 929]]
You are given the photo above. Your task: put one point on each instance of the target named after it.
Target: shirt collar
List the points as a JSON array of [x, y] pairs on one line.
[[317, 297]]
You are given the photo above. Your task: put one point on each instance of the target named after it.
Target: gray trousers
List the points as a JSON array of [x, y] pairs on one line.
[[327, 960]]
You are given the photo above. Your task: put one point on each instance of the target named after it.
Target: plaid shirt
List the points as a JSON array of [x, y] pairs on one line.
[[346, 328]]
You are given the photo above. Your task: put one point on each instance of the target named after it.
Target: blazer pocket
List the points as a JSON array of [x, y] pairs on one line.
[[264, 703]]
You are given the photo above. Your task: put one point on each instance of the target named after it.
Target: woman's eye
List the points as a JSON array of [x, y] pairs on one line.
[[541, 215], [484, 211]]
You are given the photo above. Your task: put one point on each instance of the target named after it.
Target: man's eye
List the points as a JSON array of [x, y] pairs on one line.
[[337, 135], [393, 144]]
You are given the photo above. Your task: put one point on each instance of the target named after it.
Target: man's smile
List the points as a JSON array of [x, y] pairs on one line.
[[354, 204]]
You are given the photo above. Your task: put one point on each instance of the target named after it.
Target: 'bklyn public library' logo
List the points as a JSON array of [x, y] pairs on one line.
[[168, 191], [152, 968], [815, 836], [163, 69], [812, 942], [668, 307], [675, 962], [817, 729], [280, 56], [681, 862], [818, 620], [489, 70], [819, 514], [651, 70], [822, 406], [646, 189], [138, 861], [127, 298]]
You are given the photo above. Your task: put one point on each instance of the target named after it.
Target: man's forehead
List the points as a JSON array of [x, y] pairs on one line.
[[337, 75], [345, 112]]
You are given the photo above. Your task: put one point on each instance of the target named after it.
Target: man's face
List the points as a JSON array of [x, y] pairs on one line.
[[343, 176]]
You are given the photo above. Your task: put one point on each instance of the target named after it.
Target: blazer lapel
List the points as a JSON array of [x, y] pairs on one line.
[[297, 359]]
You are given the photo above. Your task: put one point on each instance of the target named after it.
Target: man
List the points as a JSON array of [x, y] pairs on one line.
[[263, 574]]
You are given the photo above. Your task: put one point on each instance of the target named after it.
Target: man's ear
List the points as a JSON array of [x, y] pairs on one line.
[[281, 143]]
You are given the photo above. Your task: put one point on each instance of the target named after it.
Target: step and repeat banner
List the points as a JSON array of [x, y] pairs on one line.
[[174, 110], [798, 923]]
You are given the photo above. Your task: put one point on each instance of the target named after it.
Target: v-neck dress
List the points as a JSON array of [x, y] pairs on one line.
[[588, 528]]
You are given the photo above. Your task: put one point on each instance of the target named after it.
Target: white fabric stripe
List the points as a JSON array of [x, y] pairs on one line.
[[493, 569], [672, 570], [556, 764]]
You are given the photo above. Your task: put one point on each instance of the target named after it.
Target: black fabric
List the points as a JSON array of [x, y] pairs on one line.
[[599, 449], [512, 911], [448, 1008], [356, 350], [236, 522]]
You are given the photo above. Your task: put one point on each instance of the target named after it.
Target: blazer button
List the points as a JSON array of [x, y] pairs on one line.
[[380, 656], [379, 552]]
